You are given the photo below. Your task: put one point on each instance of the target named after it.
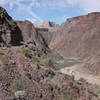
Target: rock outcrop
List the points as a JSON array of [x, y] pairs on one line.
[[46, 33], [47, 29], [14, 33], [30, 34], [42, 34], [10, 34]]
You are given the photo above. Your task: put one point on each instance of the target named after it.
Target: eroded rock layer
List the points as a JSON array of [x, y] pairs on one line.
[[9, 31], [78, 36]]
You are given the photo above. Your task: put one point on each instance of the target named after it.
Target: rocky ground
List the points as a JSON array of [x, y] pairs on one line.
[[25, 77]]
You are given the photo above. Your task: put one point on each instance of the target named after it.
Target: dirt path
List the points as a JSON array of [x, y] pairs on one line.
[[79, 72]]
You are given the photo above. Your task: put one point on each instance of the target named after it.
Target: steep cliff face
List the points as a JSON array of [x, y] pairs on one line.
[[31, 34], [10, 34], [47, 29], [78, 36], [47, 33]]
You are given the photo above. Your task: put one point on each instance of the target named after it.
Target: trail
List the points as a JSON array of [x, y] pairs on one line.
[[79, 72]]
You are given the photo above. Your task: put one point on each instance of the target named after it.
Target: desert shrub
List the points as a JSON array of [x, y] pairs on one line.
[[50, 59], [1, 52], [69, 97], [94, 89], [16, 86], [35, 58], [49, 72], [37, 49], [5, 60], [90, 89], [82, 80], [50, 64], [66, 97], [27, 53], [73, 77], [51, 56]]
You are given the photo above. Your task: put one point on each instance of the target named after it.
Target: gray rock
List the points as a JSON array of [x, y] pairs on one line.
[[20, 94]]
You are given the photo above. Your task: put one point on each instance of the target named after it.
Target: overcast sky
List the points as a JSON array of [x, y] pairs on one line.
[[53, 10]]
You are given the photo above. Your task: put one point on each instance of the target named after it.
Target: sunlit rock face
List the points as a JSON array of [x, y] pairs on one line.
[[78, 36], [31, 34]]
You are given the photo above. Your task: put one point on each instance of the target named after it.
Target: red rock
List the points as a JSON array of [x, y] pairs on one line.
[[31, 34], [78, 36]]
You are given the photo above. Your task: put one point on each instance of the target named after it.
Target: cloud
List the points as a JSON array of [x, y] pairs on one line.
[[22, 7], [86, 5], [91, 5], [26, 6], [3, 2], [11, 4], [73, 2], [29, 10]]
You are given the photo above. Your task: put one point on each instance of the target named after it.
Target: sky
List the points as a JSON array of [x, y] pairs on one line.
[[52, 10]]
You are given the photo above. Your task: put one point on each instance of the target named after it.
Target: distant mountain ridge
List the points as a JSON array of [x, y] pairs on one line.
[[78, 36]]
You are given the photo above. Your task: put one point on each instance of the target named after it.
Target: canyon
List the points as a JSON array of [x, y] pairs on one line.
[[34, 58]]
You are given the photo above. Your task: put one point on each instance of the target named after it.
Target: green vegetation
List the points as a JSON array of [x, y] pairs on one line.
[[37, 49], [50, 64], [50, 59], [51, 56], [26, 52], [35, 59], [73, 77], [93, 88], [1, 52], [15, 86], [5, 61], [49, 73], [68, 97], [82, 80]]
